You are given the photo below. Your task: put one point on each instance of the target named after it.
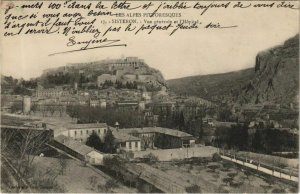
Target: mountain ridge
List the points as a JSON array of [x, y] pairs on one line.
[[209, 86]]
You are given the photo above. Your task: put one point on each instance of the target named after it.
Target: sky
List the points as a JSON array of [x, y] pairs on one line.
[[186, 53]]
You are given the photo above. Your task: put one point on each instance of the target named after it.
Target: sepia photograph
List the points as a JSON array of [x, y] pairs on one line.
[[149, 96]]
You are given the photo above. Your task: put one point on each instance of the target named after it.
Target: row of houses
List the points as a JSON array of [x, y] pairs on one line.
[[122, 77]]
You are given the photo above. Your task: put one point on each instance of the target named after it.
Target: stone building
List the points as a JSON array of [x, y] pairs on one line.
[[56, 92]]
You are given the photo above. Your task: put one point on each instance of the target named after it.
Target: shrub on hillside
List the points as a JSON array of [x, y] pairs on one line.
[[110, 184], [216, 157], [193, 189], [151, 157]]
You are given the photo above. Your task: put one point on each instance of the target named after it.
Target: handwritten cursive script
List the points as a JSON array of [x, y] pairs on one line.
[[98, 43]]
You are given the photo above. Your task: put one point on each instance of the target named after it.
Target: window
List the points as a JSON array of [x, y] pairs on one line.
[[98, 131], [104, 130], [129, 145], [75, 133], [87, 131], [81, 132], [136, 144]]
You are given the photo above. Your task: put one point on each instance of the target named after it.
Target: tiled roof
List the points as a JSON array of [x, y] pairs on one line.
[[74, 145], [121, 136], [166, 131], [21, 127], [87, 125]]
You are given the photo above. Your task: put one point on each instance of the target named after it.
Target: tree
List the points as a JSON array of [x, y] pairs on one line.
[[225, 114], [26, 145], [51, 109], [257, 142], [227, 180], [6, 138], [109, 146], [94, 141], [113, 163], [16, 106], [19, 147], [110, 184], [151, 157], [216, 157], [181, 121]]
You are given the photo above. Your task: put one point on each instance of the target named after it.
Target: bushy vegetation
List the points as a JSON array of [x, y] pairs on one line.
[[212, 87], [216, 157], [151, 157], [86, 114], [234, 137], [193, 189], [9, 85], [110, 184], [107, 146], [94, 141], [263, 140]]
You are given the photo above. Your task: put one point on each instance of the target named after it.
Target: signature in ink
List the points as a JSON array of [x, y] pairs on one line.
[[87, 44]]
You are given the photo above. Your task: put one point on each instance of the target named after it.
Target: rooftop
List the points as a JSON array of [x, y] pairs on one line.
[[87, 125], [166, 131], [74, 145], [21, 127], [122, 136]]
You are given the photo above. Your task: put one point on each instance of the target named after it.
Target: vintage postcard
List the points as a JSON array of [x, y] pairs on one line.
[[143, 96]]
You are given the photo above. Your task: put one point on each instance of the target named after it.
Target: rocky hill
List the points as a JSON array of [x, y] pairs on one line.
[[275, 78], [130, 69]]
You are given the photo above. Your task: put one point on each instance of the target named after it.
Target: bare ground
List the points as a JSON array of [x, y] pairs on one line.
[[78, 178]]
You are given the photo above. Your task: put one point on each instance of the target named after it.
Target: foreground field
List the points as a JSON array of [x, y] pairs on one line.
[[224, 177], [76, 177]]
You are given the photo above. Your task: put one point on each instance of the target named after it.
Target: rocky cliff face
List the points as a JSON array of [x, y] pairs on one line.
[[276, 77]]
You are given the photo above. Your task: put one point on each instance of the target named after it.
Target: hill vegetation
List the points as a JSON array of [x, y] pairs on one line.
[[213, 87]]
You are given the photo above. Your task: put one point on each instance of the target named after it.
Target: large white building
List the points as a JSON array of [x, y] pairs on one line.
[[128, 62], [81, 132]]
